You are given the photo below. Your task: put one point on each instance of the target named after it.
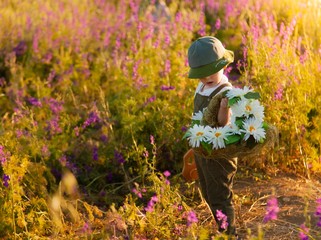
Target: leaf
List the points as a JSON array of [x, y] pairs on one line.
[[186, 135], [265, 125], [207, 146], [239, 122], [252, 95], [232, 139], [232, 101]]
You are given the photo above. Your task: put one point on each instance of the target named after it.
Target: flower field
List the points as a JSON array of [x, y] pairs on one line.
[[95, 101]]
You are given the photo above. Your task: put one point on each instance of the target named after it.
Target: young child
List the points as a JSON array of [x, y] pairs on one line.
[[207, 59]]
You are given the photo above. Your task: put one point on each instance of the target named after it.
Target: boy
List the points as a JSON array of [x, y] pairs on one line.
[[207, 59]]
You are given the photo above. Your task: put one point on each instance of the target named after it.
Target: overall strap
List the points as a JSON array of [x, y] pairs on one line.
[[219, 88]]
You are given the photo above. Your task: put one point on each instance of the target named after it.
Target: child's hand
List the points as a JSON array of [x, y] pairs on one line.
[[224, 103]]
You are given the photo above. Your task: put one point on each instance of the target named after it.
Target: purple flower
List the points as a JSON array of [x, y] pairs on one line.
[[55, 106], [191, 218], [167, 88], [167, 173], [92, 118], [86, 228], [53, 126], [150, 100], [318, 212], [222, 218], [184, 129], [34, 101], [104, 138], [303, 233], [151, 203], [138, 193], [5, 180], [45, 151], [218, 24], [152, 139], [3, 155], [118, 156], [76, 130], [272, 210], [278, 94], [21, 48], [95, 154]]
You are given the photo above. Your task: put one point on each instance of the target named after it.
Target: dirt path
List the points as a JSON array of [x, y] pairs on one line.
[[296, 199]]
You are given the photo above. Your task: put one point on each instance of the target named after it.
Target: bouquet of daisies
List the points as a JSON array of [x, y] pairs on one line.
[[247, 128]]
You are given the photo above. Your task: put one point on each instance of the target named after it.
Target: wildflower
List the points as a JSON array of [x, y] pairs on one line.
[[253, 127], [95, 153], [150, 100], [151, 203], [238, 92], [197, 134], [92, 118], [303, 232], [118, 156], [318, 212], [5, 180], [222, 218], [53, 126], [167, 88], [216, 136], [271, 210], [167, 67], [198, 116], [248, 108], [152, 139], [167, 173], [86, 228], [45, 151], [191, 218], [184, 128], [138, 193], [218, 24], [21, 48], [3, 155], [34, 101], [278, 94], [104, 138], [76, 130], [55, 106]]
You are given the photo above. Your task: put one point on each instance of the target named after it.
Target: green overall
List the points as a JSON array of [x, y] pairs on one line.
[[216, 177]]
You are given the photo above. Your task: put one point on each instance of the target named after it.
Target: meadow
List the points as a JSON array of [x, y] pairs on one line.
[[95, 101]]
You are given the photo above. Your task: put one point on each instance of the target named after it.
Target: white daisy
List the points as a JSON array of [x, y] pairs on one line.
[[216, 136], [234, 129], [197, 134], [253, 127], [198, 116], [238, 92], [247, 108]]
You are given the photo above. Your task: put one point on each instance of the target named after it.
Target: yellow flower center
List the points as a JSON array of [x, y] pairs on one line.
[[248, 108], [199, 134], [217, 134], [251, 128]]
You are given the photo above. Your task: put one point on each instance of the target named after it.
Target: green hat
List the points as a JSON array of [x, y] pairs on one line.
[[207, 56]]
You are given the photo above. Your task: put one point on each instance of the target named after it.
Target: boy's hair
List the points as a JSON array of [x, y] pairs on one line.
[[207, 56]]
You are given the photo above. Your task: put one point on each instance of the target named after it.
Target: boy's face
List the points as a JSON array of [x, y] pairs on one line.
[[213, 79]]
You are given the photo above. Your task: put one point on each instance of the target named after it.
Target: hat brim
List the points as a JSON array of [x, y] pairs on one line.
[[214, 67]]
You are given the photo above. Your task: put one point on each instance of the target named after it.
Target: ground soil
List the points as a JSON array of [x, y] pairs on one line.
[[296, 200]]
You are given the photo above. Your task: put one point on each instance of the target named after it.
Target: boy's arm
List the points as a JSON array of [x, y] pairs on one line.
[[224, 113]]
